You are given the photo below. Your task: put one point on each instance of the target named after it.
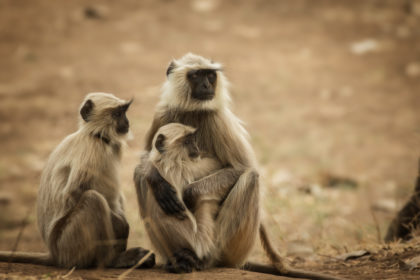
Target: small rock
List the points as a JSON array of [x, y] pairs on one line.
[[385, 205], [354, 255], [204, 6], [299, 249], [96, 12], [312, 189], [413, 69], [335, 181], [365, 46], [281, 177]]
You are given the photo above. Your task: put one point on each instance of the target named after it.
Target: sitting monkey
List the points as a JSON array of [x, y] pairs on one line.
[[176, 157], [80, 204]]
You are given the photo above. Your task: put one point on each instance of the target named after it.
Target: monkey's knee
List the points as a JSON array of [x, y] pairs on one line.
[[121, 230], [80, 237], [252, 177]]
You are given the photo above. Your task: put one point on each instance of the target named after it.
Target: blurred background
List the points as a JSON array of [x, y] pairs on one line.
[[329, 91]]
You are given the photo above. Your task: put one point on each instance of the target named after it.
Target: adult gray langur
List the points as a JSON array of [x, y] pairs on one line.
[[80, 204], [196, 94], [177, 158]]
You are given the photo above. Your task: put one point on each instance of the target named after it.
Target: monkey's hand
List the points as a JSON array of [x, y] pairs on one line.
[[188, 196], [165, 195]]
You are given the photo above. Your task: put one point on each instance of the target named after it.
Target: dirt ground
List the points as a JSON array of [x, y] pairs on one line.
[[329, 91]]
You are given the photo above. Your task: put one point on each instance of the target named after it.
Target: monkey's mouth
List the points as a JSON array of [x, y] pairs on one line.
[[203, 95], [122, 129]]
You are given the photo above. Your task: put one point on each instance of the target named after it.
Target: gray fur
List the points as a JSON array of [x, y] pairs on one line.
[[80, 204]]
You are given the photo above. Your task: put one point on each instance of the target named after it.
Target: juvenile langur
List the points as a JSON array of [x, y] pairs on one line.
[[196, 94], [80, 204], [176, 157], [406, 224]]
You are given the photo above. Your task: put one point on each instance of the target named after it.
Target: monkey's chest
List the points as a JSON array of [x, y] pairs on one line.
[[207, 134]]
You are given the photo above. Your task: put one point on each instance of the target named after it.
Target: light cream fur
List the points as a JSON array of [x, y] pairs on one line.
[[221, 135], [168, 234], [82, 159]]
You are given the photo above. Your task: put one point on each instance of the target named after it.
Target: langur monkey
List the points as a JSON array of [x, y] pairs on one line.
[[80, 204], [196, 94], [177, 158]]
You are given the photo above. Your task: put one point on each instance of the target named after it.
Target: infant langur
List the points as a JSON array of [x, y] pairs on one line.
[[176, 156], [80, 204]]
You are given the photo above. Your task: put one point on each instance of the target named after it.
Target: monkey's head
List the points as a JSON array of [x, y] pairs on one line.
[[175, 141], [105, 114], [194, 82]]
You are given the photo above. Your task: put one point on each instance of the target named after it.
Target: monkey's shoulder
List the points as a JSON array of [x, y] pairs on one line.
[[193, 118]]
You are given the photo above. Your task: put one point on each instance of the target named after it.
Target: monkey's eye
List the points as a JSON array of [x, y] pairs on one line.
[[187, 141], [194, 76], [212, 77], [117, 114]]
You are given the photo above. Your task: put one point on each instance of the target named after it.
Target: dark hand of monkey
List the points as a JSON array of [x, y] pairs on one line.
[[165, 195], [189, 198]]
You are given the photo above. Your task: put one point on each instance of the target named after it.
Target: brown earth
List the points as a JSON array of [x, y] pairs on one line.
[[326, 89]]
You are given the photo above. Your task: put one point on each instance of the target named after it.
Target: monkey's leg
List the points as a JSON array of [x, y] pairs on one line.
[[238, 220], [215, 186], [83, 237], [172, 238], [200, 255], [127, 258], [205, 237]]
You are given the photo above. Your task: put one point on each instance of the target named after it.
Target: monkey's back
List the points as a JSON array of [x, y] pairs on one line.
[[77, 156]]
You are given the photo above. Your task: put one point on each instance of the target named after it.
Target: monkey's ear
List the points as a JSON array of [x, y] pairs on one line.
[[171, 67], [86, 110], [160, 145], [127, 105]]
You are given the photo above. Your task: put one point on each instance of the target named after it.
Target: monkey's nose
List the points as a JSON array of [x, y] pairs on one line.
[[193, 154]]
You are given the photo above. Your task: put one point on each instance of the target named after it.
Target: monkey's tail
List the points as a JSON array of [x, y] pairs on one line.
[[278, 267], [26, 257]]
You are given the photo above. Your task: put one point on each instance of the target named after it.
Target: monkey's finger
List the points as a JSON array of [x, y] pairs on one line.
[[174, 202], [168, 207], [176, 208]]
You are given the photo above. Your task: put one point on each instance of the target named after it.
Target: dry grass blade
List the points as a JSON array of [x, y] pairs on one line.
[[69, 273], [19, 236], [139, 263]]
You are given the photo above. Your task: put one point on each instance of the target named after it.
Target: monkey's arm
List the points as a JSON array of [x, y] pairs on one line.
[[156, 124], [216, 185], [165, 195], [146, 175]]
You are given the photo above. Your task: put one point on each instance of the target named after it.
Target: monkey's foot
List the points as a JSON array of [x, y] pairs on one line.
[[132, 256], [185, 262]]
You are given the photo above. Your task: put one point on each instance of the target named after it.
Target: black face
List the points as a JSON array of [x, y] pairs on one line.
[[191, 145], [119, 115], [202, 83]]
